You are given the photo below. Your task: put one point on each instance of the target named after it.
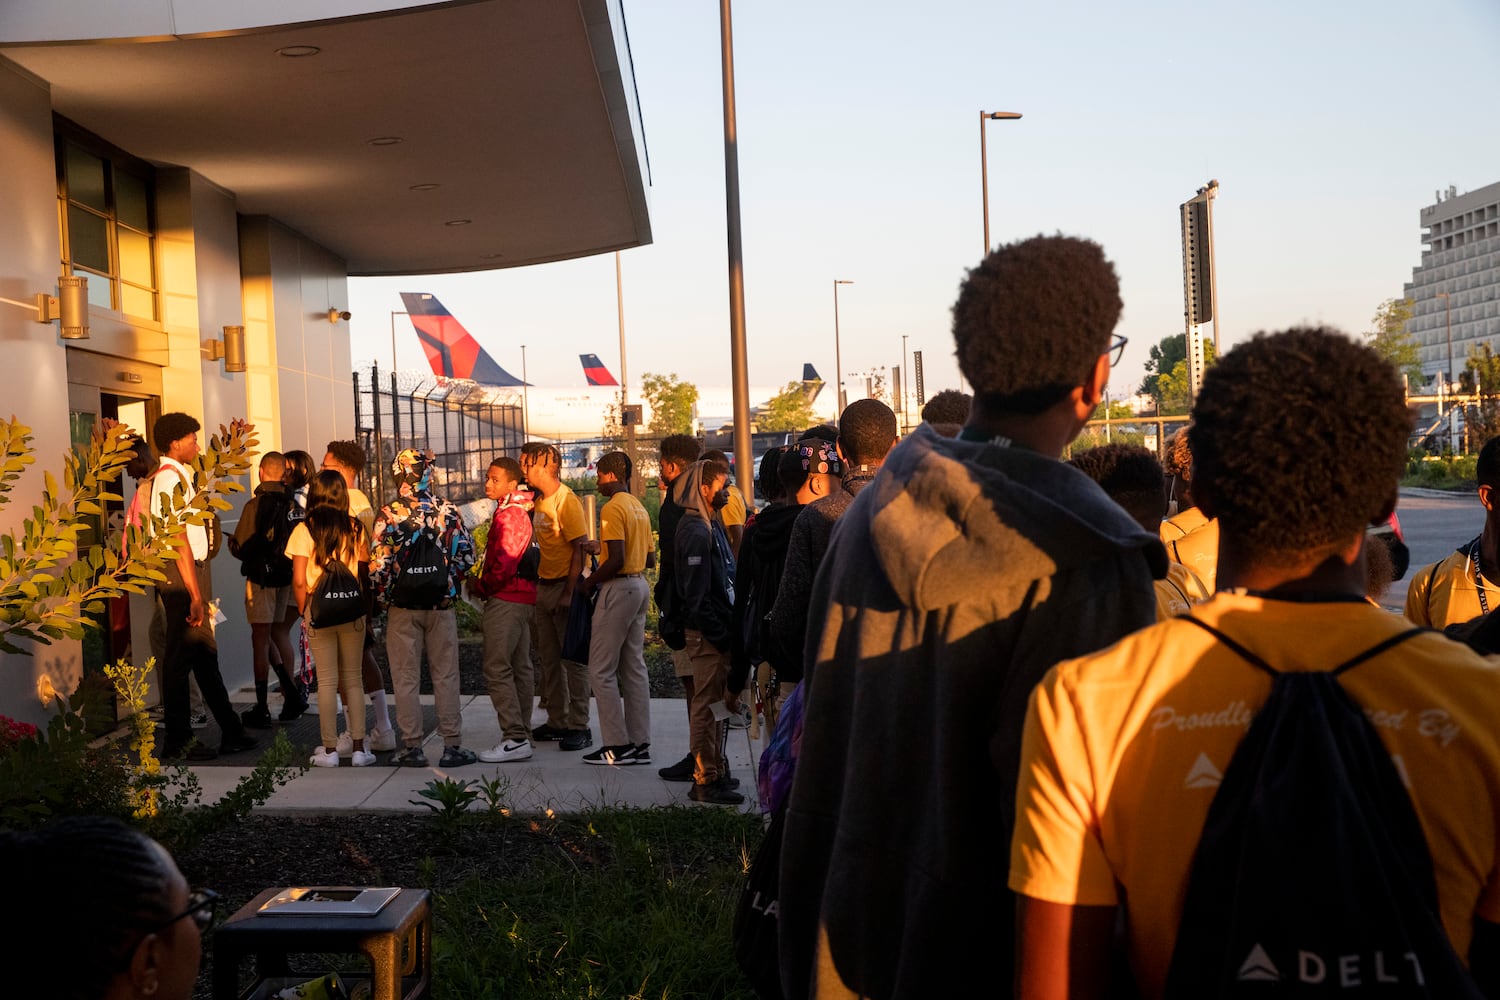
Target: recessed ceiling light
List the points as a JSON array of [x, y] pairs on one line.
[[385, 140], [491, 256], [425, 187], [458, 222], [298, 51]]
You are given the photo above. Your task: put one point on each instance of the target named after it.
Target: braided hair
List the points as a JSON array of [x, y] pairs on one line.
[[92, 888]]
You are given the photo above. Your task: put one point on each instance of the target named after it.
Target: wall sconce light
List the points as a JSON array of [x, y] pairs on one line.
[[231, 349], [335, 314], [70, 305]]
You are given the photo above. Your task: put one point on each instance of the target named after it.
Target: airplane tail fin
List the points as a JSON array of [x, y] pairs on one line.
[[812, 382], [451, 350], [594, 370]]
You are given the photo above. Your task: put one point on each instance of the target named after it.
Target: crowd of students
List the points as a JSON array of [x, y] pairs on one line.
[[1079, 729], [1098, 728]]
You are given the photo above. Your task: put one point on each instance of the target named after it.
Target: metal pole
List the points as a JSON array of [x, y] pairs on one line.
[[984, 168], [905, 390], [739, 365], [525, 398], [379, 436], [838, 364], [635, 480], [984, 184], [394, 314]]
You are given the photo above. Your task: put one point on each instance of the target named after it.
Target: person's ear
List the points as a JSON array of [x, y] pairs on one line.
[[1092, 389], [1487, 496], [146, 964]]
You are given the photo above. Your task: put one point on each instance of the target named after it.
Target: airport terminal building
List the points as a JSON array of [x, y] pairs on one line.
[[208, 165]]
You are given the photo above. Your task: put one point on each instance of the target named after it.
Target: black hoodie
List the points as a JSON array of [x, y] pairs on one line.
[[756, 581]]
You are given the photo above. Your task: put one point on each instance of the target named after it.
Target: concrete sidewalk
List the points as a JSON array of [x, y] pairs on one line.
[[550, 780]]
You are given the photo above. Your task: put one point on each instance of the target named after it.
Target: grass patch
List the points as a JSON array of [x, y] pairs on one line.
[[632, 903], [1441, 472]]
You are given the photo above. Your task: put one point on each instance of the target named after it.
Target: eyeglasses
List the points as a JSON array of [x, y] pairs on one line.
[[1116, 350], [201, 906]]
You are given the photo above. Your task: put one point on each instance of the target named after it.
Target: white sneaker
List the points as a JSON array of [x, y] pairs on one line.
[[323, 758], [363, 758], [507, 750], [381, 739], [345, 745]]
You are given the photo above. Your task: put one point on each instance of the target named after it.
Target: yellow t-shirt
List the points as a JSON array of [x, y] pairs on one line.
[[361, 511], [623, 519], [557, 521], [1124, 750], [300, 543], [1179, 591], [734, 512], [1447, 592], [1193, 540]]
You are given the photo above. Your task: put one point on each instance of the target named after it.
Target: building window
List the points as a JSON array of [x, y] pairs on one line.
[[105, 201]]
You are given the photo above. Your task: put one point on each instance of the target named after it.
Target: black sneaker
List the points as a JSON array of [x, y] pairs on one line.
[[638, 754], [238, 744], [258, 717], [457, 757], [578, 739], [680, 771], [409, 757], [716, 793], [291, 710], [609, 755], [547, 733]]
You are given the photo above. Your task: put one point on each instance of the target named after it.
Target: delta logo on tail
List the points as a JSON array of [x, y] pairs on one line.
[[594, 370], [451, 351]]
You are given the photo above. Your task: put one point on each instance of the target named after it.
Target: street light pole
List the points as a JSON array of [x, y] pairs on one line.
[[905, 389], [984, 168], [393, 338], [525, 397], [838, 364], [635, 481], [1448, 322]]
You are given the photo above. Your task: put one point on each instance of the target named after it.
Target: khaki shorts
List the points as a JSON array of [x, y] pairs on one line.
[[264, 605]]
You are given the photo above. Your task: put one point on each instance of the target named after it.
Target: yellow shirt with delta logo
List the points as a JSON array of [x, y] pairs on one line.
[[1447, 592], [623, 519], [1124, 750], [1193, 541], [1179, 591], [557, 520]]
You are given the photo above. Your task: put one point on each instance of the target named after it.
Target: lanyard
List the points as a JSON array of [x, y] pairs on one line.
[[1484, 602]]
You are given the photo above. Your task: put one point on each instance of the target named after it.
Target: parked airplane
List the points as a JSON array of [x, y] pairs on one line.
[[560, 413]]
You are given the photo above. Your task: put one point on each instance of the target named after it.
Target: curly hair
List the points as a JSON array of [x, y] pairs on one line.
[[867, 429], [1131, 476], [1298, 440], [948, 407], [171, 427], [144, 462], [679, 448], [1179, 462], [104, 881], [1032, 319], [1487, 465], [349, 454]]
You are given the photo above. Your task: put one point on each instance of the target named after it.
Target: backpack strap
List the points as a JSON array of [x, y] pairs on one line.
[[1354, 661]]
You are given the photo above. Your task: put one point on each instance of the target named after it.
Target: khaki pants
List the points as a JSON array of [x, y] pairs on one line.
[[406, 634], [564, 684], [705, 736], [338, 654], [617, 661], [507, 665]]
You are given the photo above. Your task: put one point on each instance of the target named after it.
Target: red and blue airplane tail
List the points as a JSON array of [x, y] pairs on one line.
[[452, 351], [594, 370]]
